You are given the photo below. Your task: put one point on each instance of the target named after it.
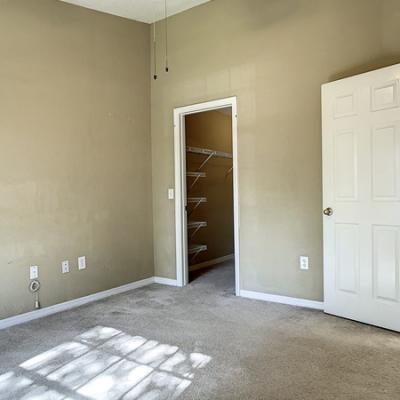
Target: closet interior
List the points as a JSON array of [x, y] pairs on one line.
[[209, 190]]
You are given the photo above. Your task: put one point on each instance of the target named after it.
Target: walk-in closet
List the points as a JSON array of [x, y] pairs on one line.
[[209, 186]]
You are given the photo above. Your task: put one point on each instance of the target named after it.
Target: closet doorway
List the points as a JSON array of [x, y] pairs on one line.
[[206, 184]]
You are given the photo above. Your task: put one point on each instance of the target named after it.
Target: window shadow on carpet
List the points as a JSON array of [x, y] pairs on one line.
[[104, 363]]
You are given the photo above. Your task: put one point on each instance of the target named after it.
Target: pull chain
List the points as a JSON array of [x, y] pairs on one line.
[[154, 51], [166, 37]]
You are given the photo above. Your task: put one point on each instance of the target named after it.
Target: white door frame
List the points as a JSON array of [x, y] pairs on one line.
[[180, 185]]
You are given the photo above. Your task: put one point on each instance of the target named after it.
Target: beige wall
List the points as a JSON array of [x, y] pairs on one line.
[[75, 159], [76, 169], [212, 130], [273, 55]]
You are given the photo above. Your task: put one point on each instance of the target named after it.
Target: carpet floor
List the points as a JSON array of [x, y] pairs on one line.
[[199, 342]]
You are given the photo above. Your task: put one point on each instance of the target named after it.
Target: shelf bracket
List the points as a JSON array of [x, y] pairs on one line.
[[229, 171], [194, 182], [194, 208], [195, 231], [194, 256], [206, 161]]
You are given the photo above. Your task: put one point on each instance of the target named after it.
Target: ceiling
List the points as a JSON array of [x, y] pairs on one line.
[[139, 10]]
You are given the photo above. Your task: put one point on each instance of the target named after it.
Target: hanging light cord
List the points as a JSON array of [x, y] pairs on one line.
[[166, 36], [154, 51], [166, 43]]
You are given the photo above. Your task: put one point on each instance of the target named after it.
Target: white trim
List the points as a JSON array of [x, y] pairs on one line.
[[293, 301], [210, 263], [44, 312], [67, 305], [180, 191], [180, 185], [165, 281]]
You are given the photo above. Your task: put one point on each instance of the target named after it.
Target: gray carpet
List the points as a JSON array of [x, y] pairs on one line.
[[200, 342]]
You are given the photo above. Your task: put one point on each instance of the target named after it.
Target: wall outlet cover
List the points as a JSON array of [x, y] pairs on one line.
[[65, 267], [33, 272], [304, 263], [81, 262]]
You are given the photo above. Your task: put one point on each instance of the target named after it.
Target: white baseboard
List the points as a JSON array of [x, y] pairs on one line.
[[44, 312], [165, 281], [210, 263], [293, 301]]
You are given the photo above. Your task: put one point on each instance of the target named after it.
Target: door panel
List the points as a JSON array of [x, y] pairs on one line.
[[345, 105], [361, 162], [386, 262], [385, 163], [385, 96], [347, 260], [345, 154]]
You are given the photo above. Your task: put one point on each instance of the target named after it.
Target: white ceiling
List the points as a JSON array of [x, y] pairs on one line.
[[139, 10]]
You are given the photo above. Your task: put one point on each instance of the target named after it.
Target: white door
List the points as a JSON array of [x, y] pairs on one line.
[[361, 163]]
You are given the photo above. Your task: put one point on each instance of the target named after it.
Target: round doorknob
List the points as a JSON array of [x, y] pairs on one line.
[[328, 211]]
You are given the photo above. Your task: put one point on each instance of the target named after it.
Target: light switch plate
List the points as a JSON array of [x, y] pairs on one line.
[[171, 194], [33, 272], [82, 262], [65, 267], [304, 263]]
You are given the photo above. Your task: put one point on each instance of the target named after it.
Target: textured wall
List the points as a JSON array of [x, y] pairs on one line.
[[273, 55], [75, 165], [212, 130]]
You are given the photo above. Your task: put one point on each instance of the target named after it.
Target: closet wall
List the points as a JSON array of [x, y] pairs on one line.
[[212, 130]]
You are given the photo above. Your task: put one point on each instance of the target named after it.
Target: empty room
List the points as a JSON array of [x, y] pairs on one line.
[[200, 199]]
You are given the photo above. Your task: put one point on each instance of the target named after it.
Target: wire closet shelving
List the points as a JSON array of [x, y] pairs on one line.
[[195, 249]]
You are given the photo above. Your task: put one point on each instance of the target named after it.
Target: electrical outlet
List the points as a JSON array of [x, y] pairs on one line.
[[81, 262], [304, 263], [171, 194], [65, 267], [33, 272]]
